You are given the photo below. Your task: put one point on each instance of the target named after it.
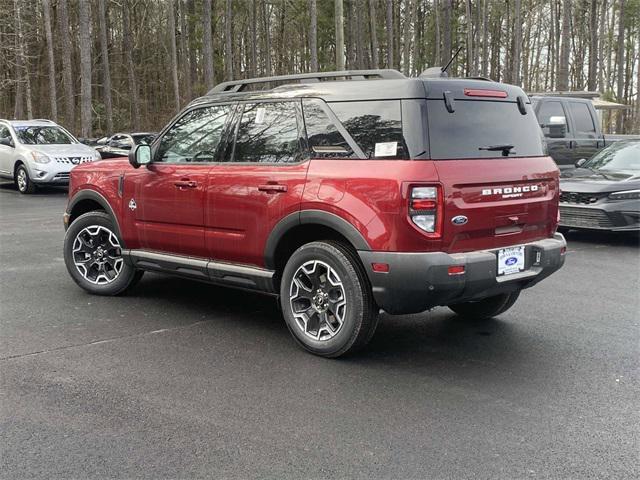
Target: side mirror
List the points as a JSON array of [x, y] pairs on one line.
[[140, 155], [580, 162], [7, 142]]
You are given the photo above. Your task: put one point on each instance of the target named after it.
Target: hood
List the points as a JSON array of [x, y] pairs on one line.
[[582, 180], [70, 150]]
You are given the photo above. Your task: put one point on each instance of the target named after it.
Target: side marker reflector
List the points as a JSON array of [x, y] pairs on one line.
[[456, 270], [380, 267]]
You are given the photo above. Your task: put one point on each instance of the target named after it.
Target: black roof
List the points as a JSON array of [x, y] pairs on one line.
[[355, 86]]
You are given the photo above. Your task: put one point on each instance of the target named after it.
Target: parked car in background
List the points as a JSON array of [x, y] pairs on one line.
[[120, 144], [337, 196], [571, 127], [39, 152], [603, 193]]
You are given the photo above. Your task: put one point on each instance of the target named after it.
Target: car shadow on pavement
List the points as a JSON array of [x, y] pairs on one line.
[[631, 239], [48, 190]]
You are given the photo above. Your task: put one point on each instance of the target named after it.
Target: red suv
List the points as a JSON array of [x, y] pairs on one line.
[[342, 193]]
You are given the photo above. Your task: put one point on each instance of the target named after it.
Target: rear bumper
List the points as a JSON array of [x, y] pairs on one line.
[[419, 281]]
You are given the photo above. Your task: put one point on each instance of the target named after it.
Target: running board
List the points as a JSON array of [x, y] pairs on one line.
[[229, 274]]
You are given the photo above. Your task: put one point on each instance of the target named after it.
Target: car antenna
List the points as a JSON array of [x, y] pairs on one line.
[[444, 69]]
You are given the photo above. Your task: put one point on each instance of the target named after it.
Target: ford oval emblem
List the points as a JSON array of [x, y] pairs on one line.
[[459, 220], [511, 261]]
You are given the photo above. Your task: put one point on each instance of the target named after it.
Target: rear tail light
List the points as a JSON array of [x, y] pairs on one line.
[[425, 209]]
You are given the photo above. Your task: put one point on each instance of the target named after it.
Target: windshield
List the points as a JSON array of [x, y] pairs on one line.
[[143, 139], [619, 156], [43, 135], [482, 129]]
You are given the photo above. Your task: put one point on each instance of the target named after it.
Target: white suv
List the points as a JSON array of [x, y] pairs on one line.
[[39, 152]]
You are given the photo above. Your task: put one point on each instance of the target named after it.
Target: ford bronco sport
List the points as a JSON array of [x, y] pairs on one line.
[[343, 193]]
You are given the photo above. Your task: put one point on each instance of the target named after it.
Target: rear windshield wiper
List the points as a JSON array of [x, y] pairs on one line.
[[505, 149]]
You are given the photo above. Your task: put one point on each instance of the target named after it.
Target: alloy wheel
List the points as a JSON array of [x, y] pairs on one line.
[[97, 255], [317, 299], [22, 179]]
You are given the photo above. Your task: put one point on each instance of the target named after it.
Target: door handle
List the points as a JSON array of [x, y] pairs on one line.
[[272, 188], [184, 184]]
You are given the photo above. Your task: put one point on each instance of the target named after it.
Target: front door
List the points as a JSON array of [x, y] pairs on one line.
[[259, 182], [167, 197]]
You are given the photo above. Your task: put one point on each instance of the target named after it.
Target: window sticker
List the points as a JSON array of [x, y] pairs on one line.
[[386, 149], [260, 114]]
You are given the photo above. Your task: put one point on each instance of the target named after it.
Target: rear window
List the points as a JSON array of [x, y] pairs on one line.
[[475, 126]]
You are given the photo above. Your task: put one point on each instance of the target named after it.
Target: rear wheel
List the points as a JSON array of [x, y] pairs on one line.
[[22, 180], [487, 307], [326, 299], [93, 256]]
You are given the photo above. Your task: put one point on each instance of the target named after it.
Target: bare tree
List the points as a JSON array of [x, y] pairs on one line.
[[390, 37], [516, 44], [620, 64], [18, 109], [127, 47], [339, 9], [469, 26], [173, 53], [267, 38], [436, 52], [207, 46], [563, 67], [106, 70], [374, 34], [254, 38], [85, 68], [446, 33], [67, 73], [228, 45], [313, 34], [53, 98], [593, 46]]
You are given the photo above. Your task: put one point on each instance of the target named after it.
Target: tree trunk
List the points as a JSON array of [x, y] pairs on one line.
[[375, 60], [446, 33], [267, 39], [67, 74], [106, 71], [603, 23], [254, 39], [485, 39], [207, 46], [620, 64], [18, 109], [313, 35], [85, 68], [593, 46], [53, 100], [517, 44], [339, 11], [563, 68], [173, 52], [228, 37], [436, 54], [127, 47], [390, 37], [357, 15], [406, 47], [469, 24]]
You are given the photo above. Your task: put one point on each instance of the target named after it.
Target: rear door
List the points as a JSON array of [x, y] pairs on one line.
[[167, 197], [499, 187], [586, 141], [259, 182]]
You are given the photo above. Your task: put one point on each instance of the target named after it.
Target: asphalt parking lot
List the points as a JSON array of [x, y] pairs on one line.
[[183, 380]]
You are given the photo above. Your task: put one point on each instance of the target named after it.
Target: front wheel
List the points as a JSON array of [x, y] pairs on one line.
[[23, 182], [93, 256], [326, 299], [487, 307]]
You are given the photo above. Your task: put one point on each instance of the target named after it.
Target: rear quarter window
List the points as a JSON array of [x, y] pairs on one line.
[[478, 124], [376, 126]]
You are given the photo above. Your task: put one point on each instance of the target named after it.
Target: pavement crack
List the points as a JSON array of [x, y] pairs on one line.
[[98, 342]]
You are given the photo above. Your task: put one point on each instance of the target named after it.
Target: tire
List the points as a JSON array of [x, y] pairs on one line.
[[22, 180], [326, 299], [487, 307], [93, 256]]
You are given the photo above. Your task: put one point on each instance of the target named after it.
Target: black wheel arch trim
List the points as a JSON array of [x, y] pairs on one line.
[[311, 217], [99, 199]]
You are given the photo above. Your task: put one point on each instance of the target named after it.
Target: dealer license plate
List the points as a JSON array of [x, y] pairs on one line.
[[510, 260]]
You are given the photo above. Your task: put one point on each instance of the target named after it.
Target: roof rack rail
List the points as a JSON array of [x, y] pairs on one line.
[[41, 120], [485, 79], [235, 86]]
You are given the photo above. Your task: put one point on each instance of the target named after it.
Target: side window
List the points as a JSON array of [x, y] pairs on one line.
[[325, 141], [4, 132], [195, 137], [582, 120], [376, 126], [549, 119], [268, 133]]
